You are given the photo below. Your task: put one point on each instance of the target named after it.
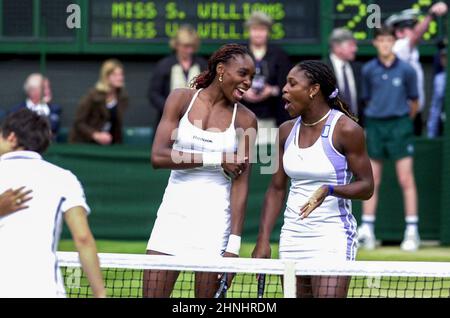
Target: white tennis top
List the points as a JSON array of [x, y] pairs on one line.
[[29, 238]]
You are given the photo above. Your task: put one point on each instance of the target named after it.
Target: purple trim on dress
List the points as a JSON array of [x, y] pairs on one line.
[[19, 157], [340, 165]]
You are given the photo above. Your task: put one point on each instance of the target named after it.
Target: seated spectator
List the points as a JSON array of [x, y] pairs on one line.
[[100, 113], [176, 70], [39, 100]]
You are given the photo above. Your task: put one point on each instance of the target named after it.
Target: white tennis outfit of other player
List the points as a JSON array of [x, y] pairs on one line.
[[329, 232], [194, 217], [29, 238]]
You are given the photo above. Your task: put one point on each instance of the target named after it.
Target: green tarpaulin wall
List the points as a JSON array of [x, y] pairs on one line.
[[124, 192]]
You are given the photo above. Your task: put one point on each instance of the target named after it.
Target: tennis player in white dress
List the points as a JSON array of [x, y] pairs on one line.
[[322, 151], [202, 210]]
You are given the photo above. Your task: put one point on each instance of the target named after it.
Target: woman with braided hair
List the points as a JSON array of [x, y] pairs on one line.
[[199, 139], [320, 150]]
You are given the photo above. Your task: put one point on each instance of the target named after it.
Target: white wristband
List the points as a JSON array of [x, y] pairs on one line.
[[212, 159], [234, 244]]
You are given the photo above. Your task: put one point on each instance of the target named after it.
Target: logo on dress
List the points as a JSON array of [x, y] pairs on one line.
[[397, 81], [201, 139], [326, 131]]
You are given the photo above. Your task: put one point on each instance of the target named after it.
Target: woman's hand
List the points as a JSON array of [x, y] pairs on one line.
[[102, 138], [230, 276], [14, 200], [314, 201], [234, 165], [262, 250], [228, 254], [253, 97]]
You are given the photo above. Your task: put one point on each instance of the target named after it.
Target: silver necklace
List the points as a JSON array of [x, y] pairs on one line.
[[315, 123]]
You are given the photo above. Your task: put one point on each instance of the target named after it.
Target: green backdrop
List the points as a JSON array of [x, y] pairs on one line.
[[124, 191]]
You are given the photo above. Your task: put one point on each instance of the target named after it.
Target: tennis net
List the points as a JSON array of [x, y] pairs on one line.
[[130, 275]]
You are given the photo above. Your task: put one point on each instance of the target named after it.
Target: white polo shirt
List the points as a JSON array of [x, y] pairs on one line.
[[29, 238]]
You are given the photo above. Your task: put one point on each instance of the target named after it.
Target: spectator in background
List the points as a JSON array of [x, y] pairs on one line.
[[436, 116], [409, 33], [437, 63], [343, 48], [176, 70], [38, 94], [272, 66], [390, 89], [99, 115]]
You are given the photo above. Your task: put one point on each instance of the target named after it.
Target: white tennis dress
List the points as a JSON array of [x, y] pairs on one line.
[[194, 217], [329, 232]]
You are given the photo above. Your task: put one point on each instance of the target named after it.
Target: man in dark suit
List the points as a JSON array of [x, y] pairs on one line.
[[343, 48]]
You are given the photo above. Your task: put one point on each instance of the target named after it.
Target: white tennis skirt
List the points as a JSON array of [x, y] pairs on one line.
[[315, 239], [193, 219]]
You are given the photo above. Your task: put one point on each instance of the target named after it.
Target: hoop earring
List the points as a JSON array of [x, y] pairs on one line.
[[221, 78]]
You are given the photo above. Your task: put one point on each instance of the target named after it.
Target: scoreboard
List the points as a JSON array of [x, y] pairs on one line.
[[302, 27], [215, 21]]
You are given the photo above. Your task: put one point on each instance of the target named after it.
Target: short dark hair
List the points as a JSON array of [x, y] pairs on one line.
[[384, 30], [32, 130]]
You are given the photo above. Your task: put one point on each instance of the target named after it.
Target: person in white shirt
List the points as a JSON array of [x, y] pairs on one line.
[[29, 238], [409, 32]]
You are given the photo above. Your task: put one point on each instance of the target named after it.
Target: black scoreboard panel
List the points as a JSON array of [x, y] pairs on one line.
[[17, 18], [31, 19], [215, 21]]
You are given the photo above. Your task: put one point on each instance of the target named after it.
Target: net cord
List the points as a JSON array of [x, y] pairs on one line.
[[263, 266]]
